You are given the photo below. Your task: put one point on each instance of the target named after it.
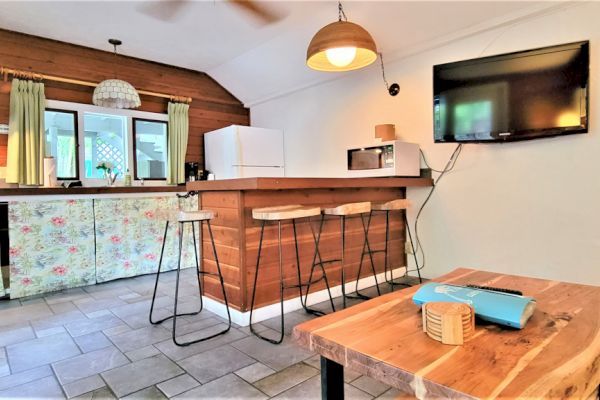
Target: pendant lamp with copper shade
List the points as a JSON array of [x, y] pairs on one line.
[[341, 46]]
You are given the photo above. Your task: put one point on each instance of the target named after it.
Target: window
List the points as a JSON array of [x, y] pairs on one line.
[[150, 149], [105, 141], [81, 136], [61, 141]]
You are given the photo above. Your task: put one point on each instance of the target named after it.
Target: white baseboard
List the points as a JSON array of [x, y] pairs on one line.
[[273, 310]]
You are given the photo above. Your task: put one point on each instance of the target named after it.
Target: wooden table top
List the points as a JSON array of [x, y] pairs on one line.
[[306, 183], [557, 354]]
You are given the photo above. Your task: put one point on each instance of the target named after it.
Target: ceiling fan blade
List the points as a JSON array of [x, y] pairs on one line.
[[262, 12], [164, 10]]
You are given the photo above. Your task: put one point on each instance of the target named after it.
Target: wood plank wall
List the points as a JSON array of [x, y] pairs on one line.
[[237, 234], [212, 107]]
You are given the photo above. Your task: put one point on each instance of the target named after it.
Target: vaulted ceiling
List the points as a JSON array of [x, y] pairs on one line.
[[255, 61]]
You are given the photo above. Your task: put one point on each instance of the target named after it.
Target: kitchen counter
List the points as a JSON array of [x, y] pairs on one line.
[[306, 183], [237, 233]]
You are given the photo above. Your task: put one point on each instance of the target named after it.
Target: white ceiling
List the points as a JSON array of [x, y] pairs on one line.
[[254, 61]]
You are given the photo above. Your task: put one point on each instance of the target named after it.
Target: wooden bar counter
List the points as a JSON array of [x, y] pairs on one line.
[[237, 234]]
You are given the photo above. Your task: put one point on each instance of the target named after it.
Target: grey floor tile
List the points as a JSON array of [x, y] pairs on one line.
[[178, 353], [50, 331], [277, 357], [311, 389], [130, 296], [24, 377], [17, 315], [140, 338], [66, 296], [370, 385], [151, 393], [212, 364], [36, 352], [99, 313], [92, 341], [140, 374], [45, 388], [90, 305], [291, 319], [61, 308], [89, 364], [117, 330], [257, 327], [141, 353], [395, 394], [228, 387], [254, 372], [4, 368], [82, 386], [83, 327], [178, 385], [283, 380], [137, 321], [140, 308], [57, 320], [98, 394], [16, 335]]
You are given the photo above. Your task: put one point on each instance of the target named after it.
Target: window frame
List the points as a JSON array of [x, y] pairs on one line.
[[76, 128], [81, 109], [134, 134]]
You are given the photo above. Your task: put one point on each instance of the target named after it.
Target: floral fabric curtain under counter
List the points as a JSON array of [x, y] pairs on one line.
[[129, 235], [51, 246]]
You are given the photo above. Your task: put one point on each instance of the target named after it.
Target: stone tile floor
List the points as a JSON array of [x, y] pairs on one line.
[[96, 342]]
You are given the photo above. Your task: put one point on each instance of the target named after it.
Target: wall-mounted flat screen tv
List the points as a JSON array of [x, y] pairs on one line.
[[516, 96]]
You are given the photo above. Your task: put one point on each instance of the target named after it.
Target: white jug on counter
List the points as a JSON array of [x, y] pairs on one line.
[[50, 172]]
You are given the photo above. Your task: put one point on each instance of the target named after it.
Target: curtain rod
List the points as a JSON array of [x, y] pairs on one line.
[[33, 75]]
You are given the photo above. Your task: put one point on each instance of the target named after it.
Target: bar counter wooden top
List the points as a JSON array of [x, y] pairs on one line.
[[237, 233], [556, 355], [306, 183]]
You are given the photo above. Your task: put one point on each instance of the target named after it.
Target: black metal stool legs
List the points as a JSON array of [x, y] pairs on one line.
[[162, 250], [281, 287], [366, 250], [200, 272], [320, 263]]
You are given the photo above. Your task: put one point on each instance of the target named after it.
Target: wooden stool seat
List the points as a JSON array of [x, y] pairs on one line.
[[198, 215], [392, 205], [349, 209], [279, 213]]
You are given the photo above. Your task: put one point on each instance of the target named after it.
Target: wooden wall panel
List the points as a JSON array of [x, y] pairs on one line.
[[212, 107]]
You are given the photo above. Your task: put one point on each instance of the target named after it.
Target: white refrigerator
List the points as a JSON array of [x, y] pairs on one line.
[[244, 152]]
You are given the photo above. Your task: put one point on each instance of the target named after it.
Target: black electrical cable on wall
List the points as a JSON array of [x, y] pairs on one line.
[[449, 167]]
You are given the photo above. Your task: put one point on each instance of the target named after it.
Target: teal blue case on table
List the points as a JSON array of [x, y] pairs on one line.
[[502, 308]]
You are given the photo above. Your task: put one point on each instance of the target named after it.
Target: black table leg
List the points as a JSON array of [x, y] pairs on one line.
[[332, 380]]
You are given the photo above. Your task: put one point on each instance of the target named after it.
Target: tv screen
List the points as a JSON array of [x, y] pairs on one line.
[[516, 96]]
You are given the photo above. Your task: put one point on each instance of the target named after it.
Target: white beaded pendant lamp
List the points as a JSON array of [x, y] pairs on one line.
[[116, 93]]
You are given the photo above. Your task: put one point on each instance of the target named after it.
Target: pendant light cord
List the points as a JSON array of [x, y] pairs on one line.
[[341, 13], [387, 86]]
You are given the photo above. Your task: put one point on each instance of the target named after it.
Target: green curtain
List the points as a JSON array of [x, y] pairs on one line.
[[25, 153], [178, 139]]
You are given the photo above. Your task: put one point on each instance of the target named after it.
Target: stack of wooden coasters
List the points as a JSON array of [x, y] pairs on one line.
[[449, 323]]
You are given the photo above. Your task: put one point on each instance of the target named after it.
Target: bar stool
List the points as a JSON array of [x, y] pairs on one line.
[[388, 206], [279, 214], [182, 218], [344, 211]]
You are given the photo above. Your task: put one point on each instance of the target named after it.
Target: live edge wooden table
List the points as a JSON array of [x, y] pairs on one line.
[[557, 354]]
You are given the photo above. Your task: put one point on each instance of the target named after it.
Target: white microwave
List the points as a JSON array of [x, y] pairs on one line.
[[393, 158]]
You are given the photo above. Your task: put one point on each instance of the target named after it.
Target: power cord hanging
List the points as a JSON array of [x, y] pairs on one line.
[[341, 12], [447, 168], [394, 89]]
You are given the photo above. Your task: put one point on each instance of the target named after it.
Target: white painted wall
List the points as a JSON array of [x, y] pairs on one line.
[[529, 208]]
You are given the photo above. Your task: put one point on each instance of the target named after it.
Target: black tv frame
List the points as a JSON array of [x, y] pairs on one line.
[[532, 133]]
